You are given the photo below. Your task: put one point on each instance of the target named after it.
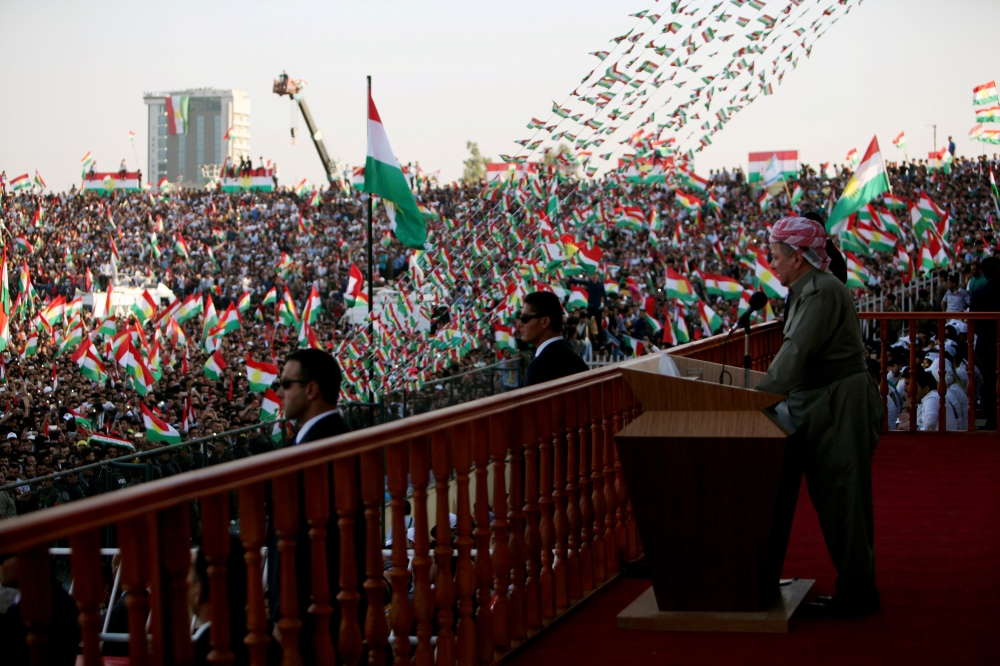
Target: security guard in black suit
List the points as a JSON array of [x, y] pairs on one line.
[[540, 324]]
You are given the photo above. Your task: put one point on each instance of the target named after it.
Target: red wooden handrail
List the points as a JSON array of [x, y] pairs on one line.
[[563, 523]]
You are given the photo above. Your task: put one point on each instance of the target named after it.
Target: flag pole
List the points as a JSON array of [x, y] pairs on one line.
[[371, 261]]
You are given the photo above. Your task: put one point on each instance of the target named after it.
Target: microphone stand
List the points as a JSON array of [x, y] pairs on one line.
[[746, 354]]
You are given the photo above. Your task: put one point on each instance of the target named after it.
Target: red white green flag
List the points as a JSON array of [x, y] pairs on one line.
[[868, 182], [384, 177], [158, 430], [214, 366], [270, 406], [260, 375]]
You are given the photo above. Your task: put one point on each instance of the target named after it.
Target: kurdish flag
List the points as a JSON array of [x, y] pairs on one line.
[[214, 366], [144, 307], [158, 430], [985, 93], [271, 297], [768, 279], [990, 114], [678, 287], [90, 364], [189, 308], [260, 375], [384, 177], [355, 283], [728, 287], [868, 182], [900, 141], [578, 298], [504, 336], [590, 259], [710, 319], [270, 406]]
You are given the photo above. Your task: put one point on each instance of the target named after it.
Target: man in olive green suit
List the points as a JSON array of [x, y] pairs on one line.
[[834, 406]]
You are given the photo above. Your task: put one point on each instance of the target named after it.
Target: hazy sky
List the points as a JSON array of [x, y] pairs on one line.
[[448, 72]]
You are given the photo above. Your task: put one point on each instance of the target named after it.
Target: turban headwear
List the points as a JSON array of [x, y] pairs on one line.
[[803, 234]]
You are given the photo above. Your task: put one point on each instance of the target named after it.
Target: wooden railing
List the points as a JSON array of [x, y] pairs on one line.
[[543, 457], [939, 320]]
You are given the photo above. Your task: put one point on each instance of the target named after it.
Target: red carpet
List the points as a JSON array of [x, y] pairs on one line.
[[937, 548]]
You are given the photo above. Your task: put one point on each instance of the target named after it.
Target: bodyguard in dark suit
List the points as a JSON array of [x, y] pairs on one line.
[[540, 324], [309, 390]]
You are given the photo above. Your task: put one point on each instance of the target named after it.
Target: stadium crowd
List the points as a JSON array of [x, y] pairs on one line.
[[237, 248]]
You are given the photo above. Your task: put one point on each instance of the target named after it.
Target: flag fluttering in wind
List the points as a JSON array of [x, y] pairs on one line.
[[900, 141], [868, 182], [985, 94], [384, 177]]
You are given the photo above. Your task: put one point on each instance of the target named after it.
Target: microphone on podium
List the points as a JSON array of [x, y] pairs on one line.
[[757, 302]]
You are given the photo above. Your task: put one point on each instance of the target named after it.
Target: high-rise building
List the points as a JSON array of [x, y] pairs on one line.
[[195, 152]]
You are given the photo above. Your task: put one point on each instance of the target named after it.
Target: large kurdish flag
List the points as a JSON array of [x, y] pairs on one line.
[[260, 375], [384, 177], [867, 183]]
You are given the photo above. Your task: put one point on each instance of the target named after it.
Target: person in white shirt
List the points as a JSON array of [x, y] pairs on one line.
[[955, 394], [929, 404]]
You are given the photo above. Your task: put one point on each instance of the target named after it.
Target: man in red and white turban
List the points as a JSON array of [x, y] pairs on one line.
[[834, 404]]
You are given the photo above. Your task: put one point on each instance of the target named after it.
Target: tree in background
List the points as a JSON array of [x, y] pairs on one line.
[[475, 166]]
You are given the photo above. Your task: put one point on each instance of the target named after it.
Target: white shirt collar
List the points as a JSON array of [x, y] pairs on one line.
[[304, 430], [546, 344], [202, 628]]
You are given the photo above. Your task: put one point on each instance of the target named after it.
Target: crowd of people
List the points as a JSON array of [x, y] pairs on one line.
[[486, 251]]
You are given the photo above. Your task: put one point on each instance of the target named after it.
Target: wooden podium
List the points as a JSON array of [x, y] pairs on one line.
[[713, 499]]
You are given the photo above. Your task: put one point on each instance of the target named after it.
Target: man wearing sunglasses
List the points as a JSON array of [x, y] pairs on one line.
[[540, 324], [310, 387]]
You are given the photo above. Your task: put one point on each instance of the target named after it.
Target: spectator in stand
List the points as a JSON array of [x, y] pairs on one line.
[[955, 298], [976, 278]]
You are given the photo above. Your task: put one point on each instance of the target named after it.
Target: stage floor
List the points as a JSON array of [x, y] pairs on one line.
[[937, 547]]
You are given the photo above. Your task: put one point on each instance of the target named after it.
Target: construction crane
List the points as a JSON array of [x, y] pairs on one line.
[[284, 85]]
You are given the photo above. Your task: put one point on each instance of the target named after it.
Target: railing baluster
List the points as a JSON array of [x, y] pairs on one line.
[[970, 385], [515, 514], [175, 562], [132, 539], [531, 429], [444, 586], [586, 513], [546, 507], [484, 563], [942, 387], [372, 495], [465, 578], [499, 435], [423, 601], [572, 498], [253, 536], [87, 591], [621, 493], [401, 615], [883, 386], [345, 492], [34, 569], [317, 510], [597, 481], [215, 545], [559, 523], [631, 532], [911, 385], [286, 522], [610, 420]]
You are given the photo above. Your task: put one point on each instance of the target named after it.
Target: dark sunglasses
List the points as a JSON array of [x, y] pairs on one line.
[[525, 318], [287, 383]]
